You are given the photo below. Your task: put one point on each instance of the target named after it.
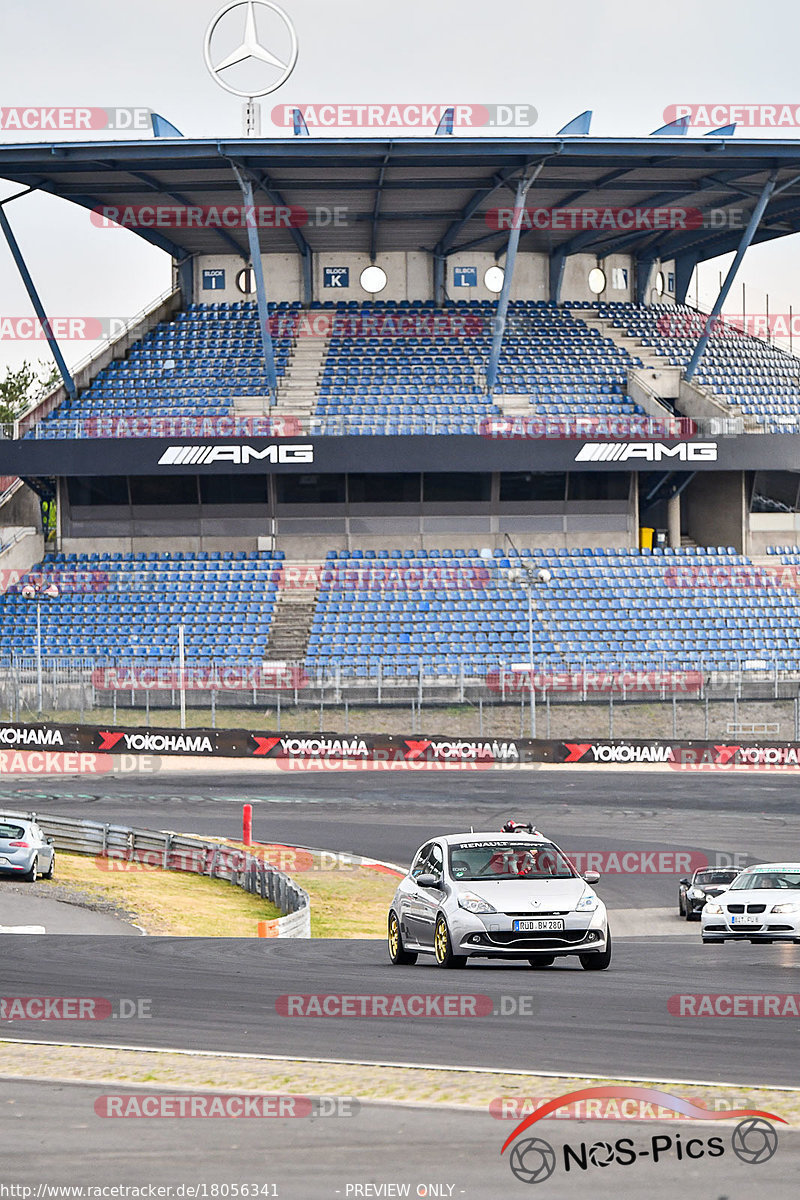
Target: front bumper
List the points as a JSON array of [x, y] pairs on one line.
[[493, 936], [771, 927]]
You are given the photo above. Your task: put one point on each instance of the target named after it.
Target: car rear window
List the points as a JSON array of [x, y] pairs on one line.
[[10, 833], [508, 860]]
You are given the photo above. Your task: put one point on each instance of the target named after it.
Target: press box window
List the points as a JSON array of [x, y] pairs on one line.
[[311, 489]]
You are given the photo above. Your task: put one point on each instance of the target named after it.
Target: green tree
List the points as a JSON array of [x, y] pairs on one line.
[[24, 386]]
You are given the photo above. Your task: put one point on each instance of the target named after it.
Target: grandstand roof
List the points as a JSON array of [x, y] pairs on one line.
[[428, 193]]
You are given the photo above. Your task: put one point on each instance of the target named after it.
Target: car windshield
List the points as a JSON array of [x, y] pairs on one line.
[[775, 880], [10, 833], [707, 878], [508, 860]]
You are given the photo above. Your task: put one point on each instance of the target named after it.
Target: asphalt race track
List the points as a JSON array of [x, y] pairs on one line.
[[317, 1159], [222, 994]]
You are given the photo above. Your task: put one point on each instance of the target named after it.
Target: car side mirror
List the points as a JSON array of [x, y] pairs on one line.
[[427, 880], [50, 841], [591, 876], [685, 881]]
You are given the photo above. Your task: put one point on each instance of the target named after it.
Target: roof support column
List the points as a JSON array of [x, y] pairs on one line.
[[505, 293], [38, 307], [644, 269], [747, 237], [556, 265], [261, 292], [684, 269], [438, 279]]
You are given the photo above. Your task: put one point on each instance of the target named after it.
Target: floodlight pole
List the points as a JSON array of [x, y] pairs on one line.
[[39, 695], [182, 674], [531, 683]]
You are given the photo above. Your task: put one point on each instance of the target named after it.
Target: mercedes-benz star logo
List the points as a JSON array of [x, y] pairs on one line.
[[754, 1140], [251, 50], [532, 1160]]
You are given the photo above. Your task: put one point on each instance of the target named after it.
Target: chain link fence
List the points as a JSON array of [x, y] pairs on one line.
[[757, 701]]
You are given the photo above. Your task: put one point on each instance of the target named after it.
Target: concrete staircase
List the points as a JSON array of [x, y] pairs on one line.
[[634, 346], [294, 612], [299, 387]]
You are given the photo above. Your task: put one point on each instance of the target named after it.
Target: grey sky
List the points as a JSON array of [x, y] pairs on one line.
[[625, 61]]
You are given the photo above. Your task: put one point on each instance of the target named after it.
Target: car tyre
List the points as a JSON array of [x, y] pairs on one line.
[[691, 915], [598, 960], [32, 875], [398, 956], [48, 874], [544, 960], [681, 907], [443, 947]]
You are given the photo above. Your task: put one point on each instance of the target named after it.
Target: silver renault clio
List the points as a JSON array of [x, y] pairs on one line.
[[497, 895]]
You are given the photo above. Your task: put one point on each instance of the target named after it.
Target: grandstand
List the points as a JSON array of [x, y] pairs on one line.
[[391, 449]]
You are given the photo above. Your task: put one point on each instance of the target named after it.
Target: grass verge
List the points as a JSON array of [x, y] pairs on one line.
[[172, 903], [471, 1090], [347, 901]]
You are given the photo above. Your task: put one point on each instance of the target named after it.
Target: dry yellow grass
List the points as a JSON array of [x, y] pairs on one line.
[[346, 901], [172, 903]]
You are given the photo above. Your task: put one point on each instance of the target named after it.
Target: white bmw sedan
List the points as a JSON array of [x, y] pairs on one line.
[[489, 895], [761, 905]]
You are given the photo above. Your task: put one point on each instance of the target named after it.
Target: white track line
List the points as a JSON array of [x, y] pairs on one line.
[[352, 1062]]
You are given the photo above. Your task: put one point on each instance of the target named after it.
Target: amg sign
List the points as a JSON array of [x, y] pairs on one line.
[[651, 451], [186, 456]]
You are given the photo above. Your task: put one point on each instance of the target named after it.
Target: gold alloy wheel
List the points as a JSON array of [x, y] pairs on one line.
[[394, 936], [440, 941]]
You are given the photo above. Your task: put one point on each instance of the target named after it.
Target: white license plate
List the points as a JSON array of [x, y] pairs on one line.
[[746, 919], [525, 926]]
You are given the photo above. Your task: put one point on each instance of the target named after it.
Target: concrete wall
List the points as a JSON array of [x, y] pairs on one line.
[[714, 509], [410, 277], [22, 508], [26, 548], [772, 529]]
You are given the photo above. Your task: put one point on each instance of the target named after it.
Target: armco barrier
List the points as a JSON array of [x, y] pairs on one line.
[[388, 749], [148, 848]]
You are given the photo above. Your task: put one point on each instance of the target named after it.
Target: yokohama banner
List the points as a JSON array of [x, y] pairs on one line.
[[389, 750]]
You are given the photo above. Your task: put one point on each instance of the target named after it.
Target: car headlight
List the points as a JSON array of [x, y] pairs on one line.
[[695, 893], [587, 903], [475, 904], [712, 907], [792, 906]]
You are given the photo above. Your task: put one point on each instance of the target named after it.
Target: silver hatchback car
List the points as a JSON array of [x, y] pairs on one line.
[[24, 850], [497, 895]]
